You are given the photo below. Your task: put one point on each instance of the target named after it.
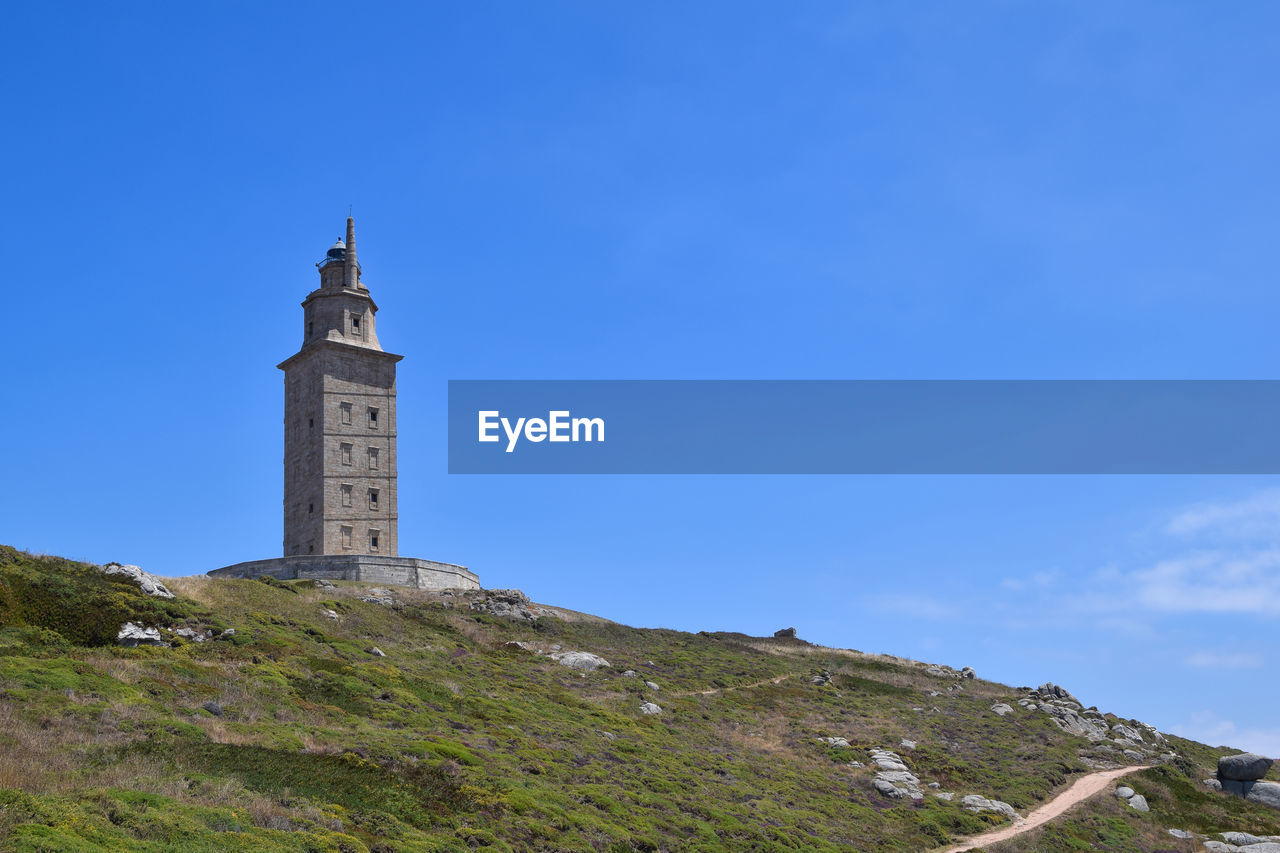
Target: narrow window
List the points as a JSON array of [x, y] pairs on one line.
[[346, 454], [373, 499], [311, 508], [346, 413], [373, 539], [373, 418], [355, 325], [346, 537], [311, 547], [311, 423], [373, 459], [346, 495]]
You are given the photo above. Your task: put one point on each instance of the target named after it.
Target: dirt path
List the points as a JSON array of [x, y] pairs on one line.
[[1084, 788], [715, 690]]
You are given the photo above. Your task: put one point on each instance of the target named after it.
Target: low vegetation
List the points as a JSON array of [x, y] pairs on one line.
[[287, 732]]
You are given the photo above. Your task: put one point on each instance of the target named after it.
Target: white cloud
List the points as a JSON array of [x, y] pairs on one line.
[[1208, 727], [1255, 517], [1211, 582], [1225, 660]]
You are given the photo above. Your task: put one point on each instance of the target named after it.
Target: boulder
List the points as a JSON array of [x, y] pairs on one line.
[[1124, 792], [946, 795], [150, 584], [898, 784], [1245, 767], [1139, 802], [907, 744], [834, 741], [1181, 833], [975, 803], [785, 633], [648, 709], [1220, 847], [584, 661], [1049, 690], [377, 652], [1241, 838], [190, 634], [1265, 793], [968, 672], [651, 686], [504, 603], [131, 634], [212, 707], [1001, 709], [631, 673]]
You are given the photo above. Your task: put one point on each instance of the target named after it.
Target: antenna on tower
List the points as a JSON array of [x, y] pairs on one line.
[[350, 271]]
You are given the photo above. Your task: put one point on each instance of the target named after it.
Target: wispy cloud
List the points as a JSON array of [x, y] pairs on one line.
[[1253, 518], [1225, 660], [1212, 582], [1208, 727]]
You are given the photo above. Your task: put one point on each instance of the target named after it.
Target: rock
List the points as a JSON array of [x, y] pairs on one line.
[[1241, 838], [631, 673], [935, 784], [330, 614], [946, 795], [1181, 833], [212, 707], [324, 584], [648, 708], [835, 741], [190, 634], [1127, 733], [150, 584], [1220, 847], [1265, 793], [609, 736], [132, 634], [907, 744], [651, 686], [378, 652], [785, 634], [1139, 802], [968, 672], [1001, 709], [579, 660], [1049, 690], [1245, 767], [1124, 792], [898, 784], [975, 803], [504, 603], [230, 632], [1215, 784], [939, 671], [856, 764]]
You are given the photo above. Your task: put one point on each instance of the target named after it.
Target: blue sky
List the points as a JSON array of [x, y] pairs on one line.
[[715, 190]]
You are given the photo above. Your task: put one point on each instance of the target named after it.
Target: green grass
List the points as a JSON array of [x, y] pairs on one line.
[[453, 742]]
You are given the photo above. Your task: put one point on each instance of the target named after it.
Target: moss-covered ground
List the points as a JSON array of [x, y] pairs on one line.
[[456, 740]]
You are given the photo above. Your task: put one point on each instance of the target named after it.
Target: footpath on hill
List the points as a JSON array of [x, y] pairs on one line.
[[1083, 788]]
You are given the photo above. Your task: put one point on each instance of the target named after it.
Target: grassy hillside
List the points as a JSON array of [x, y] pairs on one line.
[[289, 733]]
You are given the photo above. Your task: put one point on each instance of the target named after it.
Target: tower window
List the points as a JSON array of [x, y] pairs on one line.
[[346, 494], [346, 412], [355, 324], [346, 454], [311, 508], [311, 423], [373, 418], [373, 499], [373, 539], [346, 537], [373, 459]]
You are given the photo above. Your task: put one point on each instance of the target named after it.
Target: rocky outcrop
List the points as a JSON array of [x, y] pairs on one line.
[[149, 583], [504, 603], [975, 803], [785, 633], [1244, 767], [649, 709], [892, 778], [132, 634], [584, 661], [1001, 709]]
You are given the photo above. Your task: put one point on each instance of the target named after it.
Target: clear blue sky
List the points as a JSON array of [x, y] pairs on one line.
[[670, 190]]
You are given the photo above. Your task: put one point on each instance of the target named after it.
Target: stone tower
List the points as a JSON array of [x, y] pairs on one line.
[[340, 420]]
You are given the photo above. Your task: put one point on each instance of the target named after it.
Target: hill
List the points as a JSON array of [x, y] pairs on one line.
[[285, 716]]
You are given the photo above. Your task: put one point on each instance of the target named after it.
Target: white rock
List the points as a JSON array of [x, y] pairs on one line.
[[377, 651], [1181, 833], [651, 685], [579, 660], [149, 583], [649, 708], [1139, 802], [331, 614], [1124, 792], [133, 634], [1001, 709], [975, 803]]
